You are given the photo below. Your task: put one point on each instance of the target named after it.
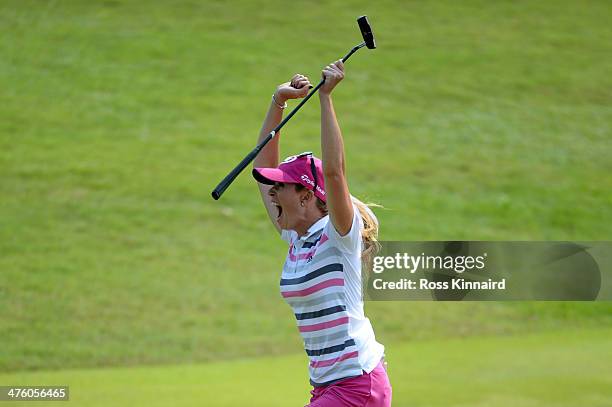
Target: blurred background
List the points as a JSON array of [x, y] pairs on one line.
[[122, 278]]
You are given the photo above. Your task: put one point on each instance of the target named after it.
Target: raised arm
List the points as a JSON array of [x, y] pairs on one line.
[[339, 203], [269, 155]]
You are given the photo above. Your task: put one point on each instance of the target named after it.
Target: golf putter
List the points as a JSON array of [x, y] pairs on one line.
[[368, 41]]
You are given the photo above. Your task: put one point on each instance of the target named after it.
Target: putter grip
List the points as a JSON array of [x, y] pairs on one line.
[[225, 182], [229, 178]]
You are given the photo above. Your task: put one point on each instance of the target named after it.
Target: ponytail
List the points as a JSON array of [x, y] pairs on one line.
[[369, 234]]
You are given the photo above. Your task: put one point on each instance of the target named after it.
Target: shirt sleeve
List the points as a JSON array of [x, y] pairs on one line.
[[351, 242]]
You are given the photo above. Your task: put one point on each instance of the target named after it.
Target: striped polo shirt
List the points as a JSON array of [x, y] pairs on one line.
[[321, 281]]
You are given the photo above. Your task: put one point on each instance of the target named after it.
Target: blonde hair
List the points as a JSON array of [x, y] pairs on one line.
[[369, 234]]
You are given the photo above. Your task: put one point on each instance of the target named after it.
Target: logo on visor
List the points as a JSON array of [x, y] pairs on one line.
[[307, 180]]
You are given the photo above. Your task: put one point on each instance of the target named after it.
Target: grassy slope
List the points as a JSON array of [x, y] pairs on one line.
[[474, 121], [521, 371]]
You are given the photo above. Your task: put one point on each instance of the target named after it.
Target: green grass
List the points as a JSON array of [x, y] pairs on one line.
[[564, 369], [472, 120]]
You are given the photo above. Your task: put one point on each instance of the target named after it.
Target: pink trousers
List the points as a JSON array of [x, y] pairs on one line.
[[368, 390]]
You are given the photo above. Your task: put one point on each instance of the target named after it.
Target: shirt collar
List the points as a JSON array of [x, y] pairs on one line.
[[315, 227]]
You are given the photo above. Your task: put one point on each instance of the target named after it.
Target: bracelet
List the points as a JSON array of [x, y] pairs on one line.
[[278, 104]]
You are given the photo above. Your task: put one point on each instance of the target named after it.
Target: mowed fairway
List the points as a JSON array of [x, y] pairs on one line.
[[472, 120], [558, 369]]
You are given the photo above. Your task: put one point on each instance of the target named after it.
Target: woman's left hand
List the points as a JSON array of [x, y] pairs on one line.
[[333, 74]]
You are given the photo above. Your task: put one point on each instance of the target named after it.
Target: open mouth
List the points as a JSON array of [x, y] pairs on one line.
[[280, 210]]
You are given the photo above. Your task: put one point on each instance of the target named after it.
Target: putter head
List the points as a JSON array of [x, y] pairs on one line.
[[366, 32]]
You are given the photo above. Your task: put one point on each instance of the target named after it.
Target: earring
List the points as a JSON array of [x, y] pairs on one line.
[[302, 203]]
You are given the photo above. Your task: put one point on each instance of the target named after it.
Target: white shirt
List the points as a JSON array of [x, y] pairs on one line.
[[321, 281]]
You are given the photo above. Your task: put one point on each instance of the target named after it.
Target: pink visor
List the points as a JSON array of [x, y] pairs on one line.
[[304, 169]]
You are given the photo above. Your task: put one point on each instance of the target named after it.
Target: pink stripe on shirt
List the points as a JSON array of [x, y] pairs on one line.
[[308, 254], [323, 325], [302, 256], [317, 287], [329, 362]]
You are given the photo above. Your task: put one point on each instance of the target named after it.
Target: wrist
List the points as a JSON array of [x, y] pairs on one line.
[[324, 95], [278, 97], [281, 103]]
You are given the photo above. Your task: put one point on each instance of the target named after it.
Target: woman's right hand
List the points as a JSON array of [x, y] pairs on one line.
[[297, 88]]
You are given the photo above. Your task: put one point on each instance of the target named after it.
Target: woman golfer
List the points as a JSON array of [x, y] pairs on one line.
[[329, 233]]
